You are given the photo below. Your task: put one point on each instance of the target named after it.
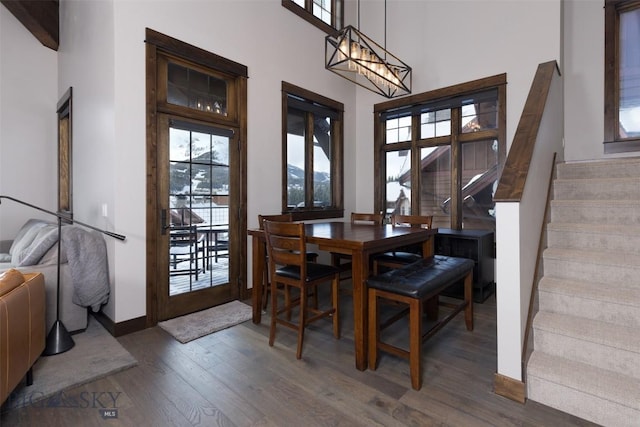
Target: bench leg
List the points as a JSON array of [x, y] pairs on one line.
[[432, 306], [415, 343], [374, 329], [468, 298]]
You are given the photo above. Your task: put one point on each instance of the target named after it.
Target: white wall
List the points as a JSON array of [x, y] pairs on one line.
[[280, 46], [28, 125], [86, 64], [102, 56]]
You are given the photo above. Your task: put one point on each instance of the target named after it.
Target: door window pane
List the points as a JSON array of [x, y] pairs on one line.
[[398, 190], [398, 129], [199, 210], [322, 10], [479, 180], [190, 88], [322, 162], [435, 184], [435, 123], [479, 116], [296, 132]]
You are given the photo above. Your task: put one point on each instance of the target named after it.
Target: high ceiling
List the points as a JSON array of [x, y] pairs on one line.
[[40, 17]]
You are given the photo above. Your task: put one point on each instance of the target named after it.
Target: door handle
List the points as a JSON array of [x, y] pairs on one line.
[[163, 221]]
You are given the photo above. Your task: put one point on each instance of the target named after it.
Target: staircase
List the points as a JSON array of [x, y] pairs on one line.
[[586, 357]]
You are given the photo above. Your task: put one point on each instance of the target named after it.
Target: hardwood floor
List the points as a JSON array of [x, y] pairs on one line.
[[233, 378]]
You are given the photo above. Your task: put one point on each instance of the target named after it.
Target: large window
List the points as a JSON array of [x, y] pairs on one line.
[[441, 154], [324, 14], [622, 76], [312, 154]]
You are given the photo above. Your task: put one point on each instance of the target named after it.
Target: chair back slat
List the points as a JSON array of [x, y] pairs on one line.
[[287, 217], [417, 221], [369, 218], [286, 243]]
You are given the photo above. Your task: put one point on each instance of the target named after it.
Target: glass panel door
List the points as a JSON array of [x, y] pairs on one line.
[[196, 218]]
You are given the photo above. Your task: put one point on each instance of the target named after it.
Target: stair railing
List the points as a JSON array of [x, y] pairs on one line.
[[521, 200]]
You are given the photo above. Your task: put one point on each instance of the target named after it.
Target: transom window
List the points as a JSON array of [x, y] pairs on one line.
[[441, 156], [312, 154], [622, 76], [324, 14]]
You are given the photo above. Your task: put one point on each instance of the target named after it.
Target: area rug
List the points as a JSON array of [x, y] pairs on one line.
[[195, 325], [96, 354]]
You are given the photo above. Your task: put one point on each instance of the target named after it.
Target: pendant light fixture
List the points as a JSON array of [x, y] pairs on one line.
[[356, 57]]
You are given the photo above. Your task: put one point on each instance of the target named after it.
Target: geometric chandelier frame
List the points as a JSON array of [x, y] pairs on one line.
[[356, 57]]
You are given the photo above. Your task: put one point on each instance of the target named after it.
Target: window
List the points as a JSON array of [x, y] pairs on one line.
[[622, 76], [441, 154], [324, 14], [312, 131]]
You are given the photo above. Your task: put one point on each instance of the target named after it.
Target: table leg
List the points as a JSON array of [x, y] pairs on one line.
[[360, 271], [258, 272]]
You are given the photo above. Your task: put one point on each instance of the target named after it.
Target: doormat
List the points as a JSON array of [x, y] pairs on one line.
[[195, 325]]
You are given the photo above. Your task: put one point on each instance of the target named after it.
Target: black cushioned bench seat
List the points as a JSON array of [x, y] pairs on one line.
[[416, 284]]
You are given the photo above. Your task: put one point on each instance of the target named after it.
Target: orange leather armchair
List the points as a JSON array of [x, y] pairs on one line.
[[22, 327]]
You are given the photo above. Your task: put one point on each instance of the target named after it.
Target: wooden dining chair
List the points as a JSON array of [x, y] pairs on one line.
[[266, 287], [356, 218], [404, 256], [288, 265]]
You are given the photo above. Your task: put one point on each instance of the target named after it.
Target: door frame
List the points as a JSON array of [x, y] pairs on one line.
[[157, 43]]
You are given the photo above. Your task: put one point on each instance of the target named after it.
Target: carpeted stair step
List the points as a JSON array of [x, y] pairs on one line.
[[603, 237], [605, 345], [613, 168], [589, 392], [596, 211], [597, 189], [596, 301], [618, 269]]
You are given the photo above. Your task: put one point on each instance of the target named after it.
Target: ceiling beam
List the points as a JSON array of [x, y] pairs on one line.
[[41, 18]]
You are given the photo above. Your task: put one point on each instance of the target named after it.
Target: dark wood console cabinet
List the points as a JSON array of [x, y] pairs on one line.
[[477, 245]]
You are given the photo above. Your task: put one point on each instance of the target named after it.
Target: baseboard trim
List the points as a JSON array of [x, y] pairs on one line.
[[509, 388], [121, 328]]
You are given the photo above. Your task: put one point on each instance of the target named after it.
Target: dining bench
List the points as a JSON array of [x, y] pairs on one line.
[[417, 285]]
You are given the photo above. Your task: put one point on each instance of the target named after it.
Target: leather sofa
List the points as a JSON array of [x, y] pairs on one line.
[[22, 327]]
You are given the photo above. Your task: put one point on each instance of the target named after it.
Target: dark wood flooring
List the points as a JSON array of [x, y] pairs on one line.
[[233, 378]]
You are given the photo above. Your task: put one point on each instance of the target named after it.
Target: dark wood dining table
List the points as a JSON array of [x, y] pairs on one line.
[[358, 240]]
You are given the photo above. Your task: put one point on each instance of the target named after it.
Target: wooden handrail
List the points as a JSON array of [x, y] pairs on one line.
[[516, 168]]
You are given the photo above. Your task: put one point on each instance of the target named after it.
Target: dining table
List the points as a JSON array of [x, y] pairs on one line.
[[360, 241]]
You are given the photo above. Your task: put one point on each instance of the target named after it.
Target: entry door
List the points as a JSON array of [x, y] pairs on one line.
[[196, 200]]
